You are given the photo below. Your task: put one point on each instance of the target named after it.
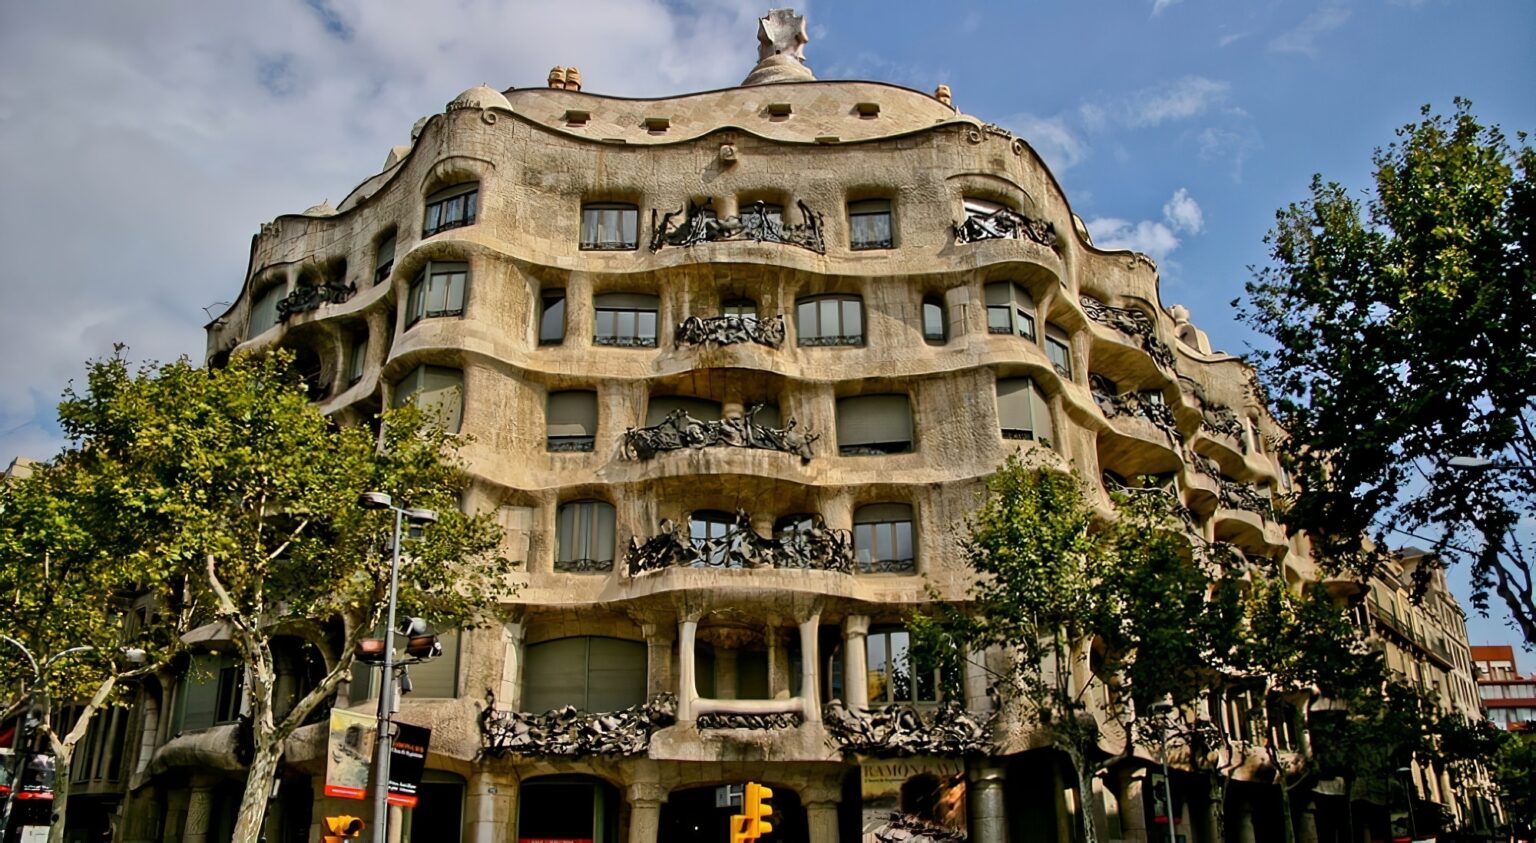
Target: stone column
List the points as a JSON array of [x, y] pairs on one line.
[[809, 692], [645, 798], [778, 664], [820, 803], [1133, 807], [855, 664], [725, 674], [396, 823], [984, 797], [511, 693], [658, 655], [199, 812], [1244, 832], [1306, 821], [492, 806], [175, 815], [687, 685]]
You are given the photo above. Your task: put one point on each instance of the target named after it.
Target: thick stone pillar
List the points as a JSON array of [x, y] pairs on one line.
[[855, 664], [985, 800], [778, 664], [511, 693], [658, 656], [645, 798], [1133, 799], [199, 813], [1306, 820], [821, 812], [491, 807], [1243, 822], [810, 691], [176, 801], [687, 684], [725, 674]]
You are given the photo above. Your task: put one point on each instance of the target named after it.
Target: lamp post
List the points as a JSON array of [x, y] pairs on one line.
[[417, 517], [1413, 822], [1466, 463], [1163, 710]]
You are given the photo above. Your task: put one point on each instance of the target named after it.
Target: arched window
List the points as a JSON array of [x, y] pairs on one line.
[[588, 673], [584, 538], [935, 327], [1022, 411], [437, 291], [830, 320], [1010, 310], [437, 391], [871, 425], [610, 226], [451, 207], [882, 539], [627, 320], [570, 421], [707, 529], [743, 308], [869, 224], [796, 523]]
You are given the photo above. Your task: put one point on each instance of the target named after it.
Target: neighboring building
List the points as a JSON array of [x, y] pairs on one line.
[[19, 468], [735, 364], [1509, 697]]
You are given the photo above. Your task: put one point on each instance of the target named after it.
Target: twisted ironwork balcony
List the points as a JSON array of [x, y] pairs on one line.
[[567, 732], [814, 548], [897, 730], [616, 341], [569, 444], [1005, 224], [583, 566], [680, 430], [832, 340], [1222, 421], [1244, 496], [1132, 323], [729, 330], [698, 224], [1136, 405], [306, 297], [732, 720]]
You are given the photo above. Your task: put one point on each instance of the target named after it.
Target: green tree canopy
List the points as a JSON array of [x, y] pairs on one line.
[[1404, 335]]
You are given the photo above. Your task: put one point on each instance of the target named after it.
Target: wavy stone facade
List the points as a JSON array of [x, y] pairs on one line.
[[478, 271]]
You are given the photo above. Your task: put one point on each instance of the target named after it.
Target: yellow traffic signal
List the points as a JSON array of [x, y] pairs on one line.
[[757, 809], [739, 833], [341, 828]]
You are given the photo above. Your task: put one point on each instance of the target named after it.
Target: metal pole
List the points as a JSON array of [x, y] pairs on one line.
[[386, 700], [21, 745], [1162, 735]]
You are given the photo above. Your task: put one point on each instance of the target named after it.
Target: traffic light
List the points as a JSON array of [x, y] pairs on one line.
[[757, 809], [342, 828], [739, 829]]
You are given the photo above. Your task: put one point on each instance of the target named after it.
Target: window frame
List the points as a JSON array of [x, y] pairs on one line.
[[638, 650], [382, 266], [1061, 344], [1019, 307], [549, 299], [404, 390], [265, 305], [822, 339], [357, 358], [1041, 430], [886, 635], [717, 524], [875, 517], [466, 195], [419, 295], [937, 304], [597, 511], [860, 213], [628, 241], [569, 443], [848, 406], [637, 312]]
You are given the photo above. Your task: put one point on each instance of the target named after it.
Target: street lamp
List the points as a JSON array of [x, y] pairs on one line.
[[1466, 463], [1413, 822], [1163, 710], [417, 518]]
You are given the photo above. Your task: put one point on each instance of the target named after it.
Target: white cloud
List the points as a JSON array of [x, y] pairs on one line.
[[141, 149], [1178, 100], [1155, 238], [1061, 148], [1159, 5], [1234, 145], [1230, 39], [1303, 38], [1183, 213]]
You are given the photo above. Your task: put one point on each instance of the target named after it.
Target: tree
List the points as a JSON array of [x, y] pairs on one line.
[[229, 489], [1515, 771], [1404, 335], [1059, 589]]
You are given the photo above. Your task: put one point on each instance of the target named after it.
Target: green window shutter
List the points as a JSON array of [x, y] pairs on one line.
[[555, 674], [616, 674], [438, 678]]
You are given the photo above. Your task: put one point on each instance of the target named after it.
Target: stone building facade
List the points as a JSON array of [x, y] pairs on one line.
[[734, 365]]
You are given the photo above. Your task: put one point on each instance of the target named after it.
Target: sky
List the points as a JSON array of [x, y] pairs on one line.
[[143, 143]]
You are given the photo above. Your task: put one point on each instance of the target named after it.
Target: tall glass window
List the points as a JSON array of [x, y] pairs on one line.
[[935, 330], [882, 539], [894, 674], [869, 224], [1058, 347], [627, 320], [830, 320], [439, 393], [611, 226], [1010, 310], [437, 291], [451, 207], [384, 259], [552, 317], [584, 537]]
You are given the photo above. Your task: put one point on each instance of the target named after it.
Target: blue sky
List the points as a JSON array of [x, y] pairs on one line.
[[142, 144]]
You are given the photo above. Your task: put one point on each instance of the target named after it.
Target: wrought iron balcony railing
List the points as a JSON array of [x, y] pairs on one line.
[[680, 430], [815, 548]]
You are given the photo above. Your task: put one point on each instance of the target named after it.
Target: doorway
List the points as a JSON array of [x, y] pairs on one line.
[[690, 816]]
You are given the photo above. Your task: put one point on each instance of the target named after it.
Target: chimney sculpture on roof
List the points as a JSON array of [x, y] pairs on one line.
[[780, 49]]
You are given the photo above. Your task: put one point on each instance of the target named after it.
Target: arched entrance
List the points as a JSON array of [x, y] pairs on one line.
[[690, 816], [570, 807]]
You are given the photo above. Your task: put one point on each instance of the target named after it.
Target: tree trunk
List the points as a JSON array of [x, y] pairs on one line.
[[60, 792], [1287, 823], [258, 788], [1087, 801]]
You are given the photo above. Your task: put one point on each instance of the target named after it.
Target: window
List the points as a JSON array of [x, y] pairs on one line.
[[587, 673], [264, 310], [626, 320], [869, 425], [211, 692], [1022, 412], [384, 260], [570, 421], [610, 226], [357, 358], [1010, 310], [741, 308], [584, 537], [437, 391], [789, 524], [1058, 347], [893, 673], [869, 224], [765, 216], [453, 207], [661, 406], [707, 525], [830, 320], [437, 291], [934, 328], [882, 539], [552, 317], [438, 678]]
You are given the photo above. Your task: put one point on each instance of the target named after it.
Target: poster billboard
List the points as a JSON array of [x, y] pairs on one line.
[[913, 799], [349, 754], [407, 760]]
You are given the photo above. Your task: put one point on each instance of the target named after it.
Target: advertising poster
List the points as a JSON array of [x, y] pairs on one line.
[[349, 755], [407, 760], [915, 800]]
